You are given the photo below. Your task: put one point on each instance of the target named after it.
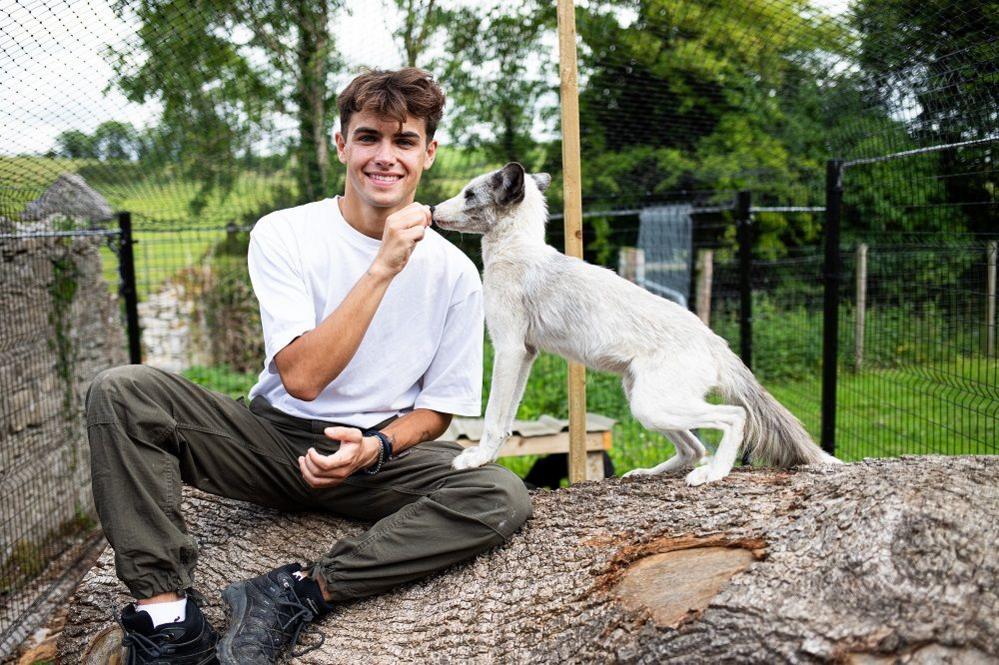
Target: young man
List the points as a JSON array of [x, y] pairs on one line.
[[373, 334]]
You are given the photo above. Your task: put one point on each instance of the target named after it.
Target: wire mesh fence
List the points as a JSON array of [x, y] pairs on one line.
[[198, 118], [59, 327]]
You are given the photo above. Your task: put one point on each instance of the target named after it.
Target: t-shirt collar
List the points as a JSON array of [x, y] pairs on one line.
[[352, 235]]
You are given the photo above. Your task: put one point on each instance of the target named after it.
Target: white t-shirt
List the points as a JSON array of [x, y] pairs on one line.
[[423, 348]]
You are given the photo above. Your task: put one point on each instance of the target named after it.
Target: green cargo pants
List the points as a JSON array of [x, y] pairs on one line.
[[151, 430]]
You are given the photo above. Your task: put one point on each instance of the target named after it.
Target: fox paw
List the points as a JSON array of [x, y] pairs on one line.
[[471, 458], [705, 474]]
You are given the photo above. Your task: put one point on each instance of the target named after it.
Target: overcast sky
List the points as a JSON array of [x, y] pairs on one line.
[[53, 73]]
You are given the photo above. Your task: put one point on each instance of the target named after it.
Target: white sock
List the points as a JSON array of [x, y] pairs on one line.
[[171, 611]]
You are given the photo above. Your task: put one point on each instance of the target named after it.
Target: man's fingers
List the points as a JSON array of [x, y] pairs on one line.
[[351, 434], [324, 464], [312, 479], [414, 234], [415, 214]]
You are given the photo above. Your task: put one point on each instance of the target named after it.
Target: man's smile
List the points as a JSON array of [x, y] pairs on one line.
[[384, 179]]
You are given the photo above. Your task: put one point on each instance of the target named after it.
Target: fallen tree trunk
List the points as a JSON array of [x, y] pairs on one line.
[[879, 561]]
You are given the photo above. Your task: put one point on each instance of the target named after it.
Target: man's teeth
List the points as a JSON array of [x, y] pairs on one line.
[[384, 178]]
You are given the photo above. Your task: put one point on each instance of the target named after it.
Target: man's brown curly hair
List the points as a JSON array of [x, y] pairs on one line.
[[393, 94]]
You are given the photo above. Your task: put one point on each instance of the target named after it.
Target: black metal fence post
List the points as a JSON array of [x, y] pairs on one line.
[[744, 236], [127, 288], [831, 270], [744, 233]]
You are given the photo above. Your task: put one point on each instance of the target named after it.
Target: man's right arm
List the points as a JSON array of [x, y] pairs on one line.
[[314, 359]]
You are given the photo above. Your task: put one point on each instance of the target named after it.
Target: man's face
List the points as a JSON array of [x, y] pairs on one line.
[[384, 162]]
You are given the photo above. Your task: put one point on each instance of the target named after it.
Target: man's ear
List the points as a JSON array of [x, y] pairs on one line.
[[341, 145], [431, 154], [542, 180], [508, 184]]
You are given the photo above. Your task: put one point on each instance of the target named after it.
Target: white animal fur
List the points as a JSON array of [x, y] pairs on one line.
[[537, 298]]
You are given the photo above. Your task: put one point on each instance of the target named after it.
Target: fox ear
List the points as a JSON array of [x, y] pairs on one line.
[[542, 180], [508, 184]]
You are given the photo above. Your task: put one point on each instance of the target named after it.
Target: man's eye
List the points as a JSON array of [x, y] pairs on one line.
[[366, 139]]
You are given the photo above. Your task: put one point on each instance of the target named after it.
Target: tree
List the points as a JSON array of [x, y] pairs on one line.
[[76, 145], [694, 100], [499, 74], [421, 20], [223, 69], [117, 140], [934, 64]]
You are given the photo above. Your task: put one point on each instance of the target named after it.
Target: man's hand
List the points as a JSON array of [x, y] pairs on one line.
[[403, 229], [356, 452]]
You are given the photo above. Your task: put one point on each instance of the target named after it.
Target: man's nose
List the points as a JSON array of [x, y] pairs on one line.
[[385, 154]]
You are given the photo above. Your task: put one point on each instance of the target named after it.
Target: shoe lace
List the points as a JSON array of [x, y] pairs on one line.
[[147, 644], [293, 615]]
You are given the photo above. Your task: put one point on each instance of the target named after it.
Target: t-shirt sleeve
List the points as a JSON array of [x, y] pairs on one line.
[[286, 308], [453, 382]]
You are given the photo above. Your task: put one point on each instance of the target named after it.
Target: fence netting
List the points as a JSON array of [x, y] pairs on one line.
[[705, 132]]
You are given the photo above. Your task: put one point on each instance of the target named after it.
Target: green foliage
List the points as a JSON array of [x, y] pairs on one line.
[[111, 140], [232, 316], [910, 356], [27, 558], [218, 95], [223, 379], [498, 79], [75, 144], [62, 291]]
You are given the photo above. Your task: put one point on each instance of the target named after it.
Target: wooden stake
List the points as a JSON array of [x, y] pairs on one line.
[[861, 315], [705, 271], [572, 192]]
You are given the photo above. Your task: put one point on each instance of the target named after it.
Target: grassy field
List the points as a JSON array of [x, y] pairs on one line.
[[160, 255], [158, 197], [934, 408]]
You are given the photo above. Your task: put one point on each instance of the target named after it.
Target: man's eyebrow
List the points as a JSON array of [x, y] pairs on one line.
[[372, 130]]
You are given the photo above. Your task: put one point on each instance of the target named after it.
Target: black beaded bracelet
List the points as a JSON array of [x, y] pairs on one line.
[[384, 454]]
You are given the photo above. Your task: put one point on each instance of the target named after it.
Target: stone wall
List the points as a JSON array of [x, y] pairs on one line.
[[172, 320], [205, 315], [59, 326]]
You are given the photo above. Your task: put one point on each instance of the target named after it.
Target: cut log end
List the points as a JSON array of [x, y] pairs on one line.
[[676, 586]]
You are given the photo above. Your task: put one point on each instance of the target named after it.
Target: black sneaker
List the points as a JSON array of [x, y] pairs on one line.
[[188, 642], [267, 614]]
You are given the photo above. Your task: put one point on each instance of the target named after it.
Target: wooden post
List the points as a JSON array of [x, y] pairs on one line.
[[705, 271], [572, 192], [858, 332], [631, 264], [990, 300]]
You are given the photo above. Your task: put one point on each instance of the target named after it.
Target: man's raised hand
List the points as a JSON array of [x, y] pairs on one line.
[[356, 452], [403, 229]]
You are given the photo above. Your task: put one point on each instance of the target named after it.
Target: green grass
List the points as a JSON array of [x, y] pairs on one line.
[[157, 197], [160, 255], [942, 407]]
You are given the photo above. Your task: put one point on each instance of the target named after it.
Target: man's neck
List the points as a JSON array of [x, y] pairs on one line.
[[365, 219]]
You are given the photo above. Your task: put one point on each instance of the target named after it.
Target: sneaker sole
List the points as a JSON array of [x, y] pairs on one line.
[[235, 600]]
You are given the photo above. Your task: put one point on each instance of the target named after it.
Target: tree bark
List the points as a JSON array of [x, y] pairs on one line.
[[881, 561]]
